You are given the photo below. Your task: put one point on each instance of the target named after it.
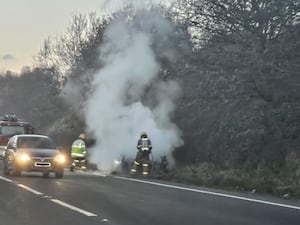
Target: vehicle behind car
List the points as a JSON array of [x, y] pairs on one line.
[[33, 153], [10, 125]]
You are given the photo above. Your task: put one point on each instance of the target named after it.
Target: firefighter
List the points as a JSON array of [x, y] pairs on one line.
[[78, 152], [142, 159]]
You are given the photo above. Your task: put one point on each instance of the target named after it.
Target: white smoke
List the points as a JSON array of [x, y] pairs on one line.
[[115, 112], [117, 5]]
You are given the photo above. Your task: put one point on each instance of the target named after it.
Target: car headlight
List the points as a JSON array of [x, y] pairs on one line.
[[60, 158], [24, 157]]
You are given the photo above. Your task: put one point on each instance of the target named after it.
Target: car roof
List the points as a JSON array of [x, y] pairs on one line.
[[32, 135]]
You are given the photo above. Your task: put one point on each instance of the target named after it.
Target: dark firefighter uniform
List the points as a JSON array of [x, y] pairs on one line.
[[143, 155]]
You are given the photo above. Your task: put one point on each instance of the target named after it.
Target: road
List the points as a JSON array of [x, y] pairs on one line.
[[93, 198]]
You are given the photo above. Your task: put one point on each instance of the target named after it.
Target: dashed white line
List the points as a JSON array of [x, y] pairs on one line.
[[30, 189], [74, 208], [211, 193], [8, 180]]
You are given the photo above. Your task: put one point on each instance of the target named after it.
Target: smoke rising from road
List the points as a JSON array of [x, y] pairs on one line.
[[115, 112]]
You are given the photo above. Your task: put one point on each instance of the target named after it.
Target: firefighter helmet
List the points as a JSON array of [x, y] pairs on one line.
[[144, 135], [82, 136]]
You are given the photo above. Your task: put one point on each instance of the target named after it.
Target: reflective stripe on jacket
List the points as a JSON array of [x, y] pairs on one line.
[[78, 148], [144, 144]]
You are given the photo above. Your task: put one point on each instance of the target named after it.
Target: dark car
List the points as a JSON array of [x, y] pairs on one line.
[[33, 153]]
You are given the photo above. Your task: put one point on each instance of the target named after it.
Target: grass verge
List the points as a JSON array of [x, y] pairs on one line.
[[262, 181]]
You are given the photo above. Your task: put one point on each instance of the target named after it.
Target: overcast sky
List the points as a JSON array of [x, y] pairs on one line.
[[25, 24]]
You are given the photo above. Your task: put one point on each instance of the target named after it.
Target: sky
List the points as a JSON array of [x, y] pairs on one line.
[[25, 24]]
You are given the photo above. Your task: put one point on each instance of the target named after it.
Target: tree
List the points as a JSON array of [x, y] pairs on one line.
[[246, 81], [264, 19], [65, 53]]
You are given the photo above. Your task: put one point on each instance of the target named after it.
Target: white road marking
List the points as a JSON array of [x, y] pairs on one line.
[[8, 180], [46, 196], [74, 208], [99, 174], [30, 189], [211, 193]]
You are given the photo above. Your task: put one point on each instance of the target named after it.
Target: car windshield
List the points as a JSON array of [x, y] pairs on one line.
[[11, 130], [35, 142]]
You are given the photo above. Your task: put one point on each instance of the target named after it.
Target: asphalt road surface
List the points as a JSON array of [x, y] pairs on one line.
[[93, 198]]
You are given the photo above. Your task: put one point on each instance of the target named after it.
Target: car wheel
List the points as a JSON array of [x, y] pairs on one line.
[[59, 173], [46, 174], [72, 168]]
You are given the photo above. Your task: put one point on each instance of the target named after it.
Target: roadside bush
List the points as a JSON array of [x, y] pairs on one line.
[[260, 181]]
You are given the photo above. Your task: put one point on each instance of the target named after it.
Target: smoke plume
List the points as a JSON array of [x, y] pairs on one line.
[[116, 112], [116, 5]]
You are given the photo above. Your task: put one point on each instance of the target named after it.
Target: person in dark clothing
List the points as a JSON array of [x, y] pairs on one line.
[[143, 155]]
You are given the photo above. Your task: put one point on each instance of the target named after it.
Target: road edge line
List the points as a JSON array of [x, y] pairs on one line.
[[211, 193]]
